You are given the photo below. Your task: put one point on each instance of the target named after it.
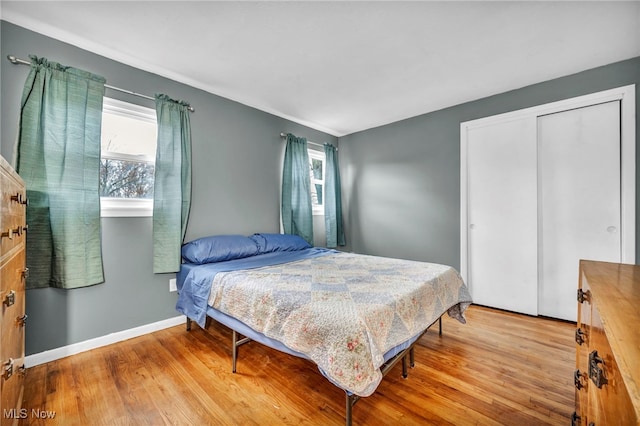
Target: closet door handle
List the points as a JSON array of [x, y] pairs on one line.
[[612, 229]]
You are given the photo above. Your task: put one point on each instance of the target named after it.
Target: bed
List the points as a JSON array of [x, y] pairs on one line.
[[355, 316]]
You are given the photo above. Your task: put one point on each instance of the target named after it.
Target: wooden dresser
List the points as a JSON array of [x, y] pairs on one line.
[[12, 292], [607, 376]]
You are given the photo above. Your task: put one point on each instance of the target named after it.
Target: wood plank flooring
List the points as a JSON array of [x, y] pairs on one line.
[[498, 369]]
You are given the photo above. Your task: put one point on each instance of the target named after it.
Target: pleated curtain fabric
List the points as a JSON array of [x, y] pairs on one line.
[[58, 156], [172, 187], [297, 215], [332, 199]]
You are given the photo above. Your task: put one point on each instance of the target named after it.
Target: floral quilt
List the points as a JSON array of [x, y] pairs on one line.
[[343, 310]]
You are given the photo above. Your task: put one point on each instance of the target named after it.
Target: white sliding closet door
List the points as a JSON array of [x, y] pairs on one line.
[[502, 218], [579, 193]]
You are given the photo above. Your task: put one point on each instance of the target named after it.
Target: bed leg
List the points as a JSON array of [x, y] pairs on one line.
[[351, 401], [412, 358], [404, 367], [234, 352], [440, 326], [236, 343], [188, 324]]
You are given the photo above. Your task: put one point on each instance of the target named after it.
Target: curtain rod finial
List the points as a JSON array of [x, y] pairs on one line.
[[17, 61]]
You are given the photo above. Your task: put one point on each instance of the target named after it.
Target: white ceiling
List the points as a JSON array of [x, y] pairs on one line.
[[342, 67]]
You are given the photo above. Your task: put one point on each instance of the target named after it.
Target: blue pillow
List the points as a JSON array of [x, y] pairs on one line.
[[268, 243], [218, 248]]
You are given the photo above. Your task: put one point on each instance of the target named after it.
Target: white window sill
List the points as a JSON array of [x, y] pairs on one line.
[[125, 207]]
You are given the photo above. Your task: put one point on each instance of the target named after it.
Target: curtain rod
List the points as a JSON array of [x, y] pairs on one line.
[[284, 135], [19, 61]]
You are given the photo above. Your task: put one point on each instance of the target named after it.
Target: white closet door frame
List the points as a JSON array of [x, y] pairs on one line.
[[626, 96]]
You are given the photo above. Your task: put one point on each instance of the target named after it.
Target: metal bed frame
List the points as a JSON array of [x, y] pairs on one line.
[[351, 399]]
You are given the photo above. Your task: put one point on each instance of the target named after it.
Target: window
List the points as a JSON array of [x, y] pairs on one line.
[[316, 170], [128, 145]]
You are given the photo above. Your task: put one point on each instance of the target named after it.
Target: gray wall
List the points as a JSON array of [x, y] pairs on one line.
[[237, 162], [401, 182]]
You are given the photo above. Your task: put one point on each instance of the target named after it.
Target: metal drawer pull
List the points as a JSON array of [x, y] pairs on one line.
[[8, 369], [580, 336], [9, 233], [22, 321], [10, 298], [596, 374], [577, 379], [19, 198], [575, 419], [584, 296]]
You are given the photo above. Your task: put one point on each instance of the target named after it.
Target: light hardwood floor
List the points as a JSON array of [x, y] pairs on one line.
[[498, 369]]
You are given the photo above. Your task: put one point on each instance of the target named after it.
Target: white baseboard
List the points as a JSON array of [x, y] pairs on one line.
[[87, 345]]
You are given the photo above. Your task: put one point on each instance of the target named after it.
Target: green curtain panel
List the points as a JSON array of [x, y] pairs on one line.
[[332, 199], [297, 215], [172, 187], [58, 156]]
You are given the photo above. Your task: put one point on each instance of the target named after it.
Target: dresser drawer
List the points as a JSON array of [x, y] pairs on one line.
[[12, 294], [610, 402], [12, 218]]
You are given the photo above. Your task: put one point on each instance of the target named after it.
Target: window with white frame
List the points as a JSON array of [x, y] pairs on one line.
[[127, 163], [316, 171]]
